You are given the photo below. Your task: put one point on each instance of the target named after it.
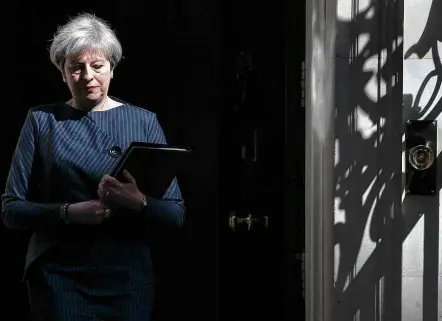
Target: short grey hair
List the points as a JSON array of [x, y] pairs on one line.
[[83, 33]]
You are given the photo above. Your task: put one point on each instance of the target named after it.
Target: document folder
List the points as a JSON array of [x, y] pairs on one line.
[[154, 166]]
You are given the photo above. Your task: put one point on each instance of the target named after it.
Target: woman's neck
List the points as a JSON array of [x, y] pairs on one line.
[[89, 105]]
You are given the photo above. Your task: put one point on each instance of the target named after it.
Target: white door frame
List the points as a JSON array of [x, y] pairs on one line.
[[319, 159]]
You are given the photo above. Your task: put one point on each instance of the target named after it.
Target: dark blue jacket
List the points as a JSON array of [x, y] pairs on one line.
[[61, 155]]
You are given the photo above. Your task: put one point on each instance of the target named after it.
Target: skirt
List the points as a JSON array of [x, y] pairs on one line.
[[96, 279]]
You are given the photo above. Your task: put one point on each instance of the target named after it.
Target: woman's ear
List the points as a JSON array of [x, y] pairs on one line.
[[62, 75]]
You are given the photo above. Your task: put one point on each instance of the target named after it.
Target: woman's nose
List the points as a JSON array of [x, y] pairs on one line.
[[87, 74]]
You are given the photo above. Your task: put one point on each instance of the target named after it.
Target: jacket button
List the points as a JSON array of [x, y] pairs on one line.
[[115, 151]]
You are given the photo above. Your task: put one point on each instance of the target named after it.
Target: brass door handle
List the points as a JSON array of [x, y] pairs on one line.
[[234, 221]]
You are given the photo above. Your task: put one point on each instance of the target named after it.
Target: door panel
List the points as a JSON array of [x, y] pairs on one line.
[[253, 264]]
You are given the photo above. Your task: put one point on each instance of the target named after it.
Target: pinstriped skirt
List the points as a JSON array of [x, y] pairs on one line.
[[92, 280]]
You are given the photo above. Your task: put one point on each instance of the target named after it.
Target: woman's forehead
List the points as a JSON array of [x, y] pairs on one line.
[[87, 56]]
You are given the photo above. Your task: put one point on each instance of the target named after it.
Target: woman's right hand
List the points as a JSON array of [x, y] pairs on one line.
[[87, 213]]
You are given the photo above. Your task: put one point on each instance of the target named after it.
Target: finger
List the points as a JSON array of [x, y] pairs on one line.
[[96, 218], [106, 177], [108, 198], [102, 203], [103, 180], [108, 180], [129, 177], [112, 192], [101, 192], [102, 184], [113, 182], [100, 212]]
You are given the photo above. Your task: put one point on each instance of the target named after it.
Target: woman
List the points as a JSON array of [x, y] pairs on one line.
[[89, 254]]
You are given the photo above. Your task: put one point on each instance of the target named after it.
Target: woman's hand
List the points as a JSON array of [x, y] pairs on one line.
[[113, 192], [88, 213]]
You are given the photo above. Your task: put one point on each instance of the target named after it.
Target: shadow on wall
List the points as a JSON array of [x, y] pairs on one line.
[[371, 221], [427, 42]]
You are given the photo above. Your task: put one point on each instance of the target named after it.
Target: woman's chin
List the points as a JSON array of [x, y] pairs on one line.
[[93, 98]]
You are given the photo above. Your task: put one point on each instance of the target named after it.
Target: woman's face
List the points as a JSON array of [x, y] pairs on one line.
[[88, 77]]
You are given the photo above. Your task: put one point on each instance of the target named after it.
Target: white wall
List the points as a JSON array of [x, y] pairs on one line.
[[383, 271], [422, 283]]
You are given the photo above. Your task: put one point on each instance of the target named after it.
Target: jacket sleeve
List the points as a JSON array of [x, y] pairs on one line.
[[18, 209], [170, 210]]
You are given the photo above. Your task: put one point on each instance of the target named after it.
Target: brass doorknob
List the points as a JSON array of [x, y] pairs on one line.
[[421, 157], [234, 221]]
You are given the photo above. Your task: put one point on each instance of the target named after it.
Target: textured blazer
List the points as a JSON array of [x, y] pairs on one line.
[[61, 155]]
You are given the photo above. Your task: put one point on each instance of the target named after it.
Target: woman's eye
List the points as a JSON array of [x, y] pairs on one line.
[[75, 69]]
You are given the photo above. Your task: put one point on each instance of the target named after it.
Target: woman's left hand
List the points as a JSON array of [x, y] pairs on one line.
[[115, 192]]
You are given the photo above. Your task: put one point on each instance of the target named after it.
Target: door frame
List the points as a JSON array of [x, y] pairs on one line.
[[319, 159]]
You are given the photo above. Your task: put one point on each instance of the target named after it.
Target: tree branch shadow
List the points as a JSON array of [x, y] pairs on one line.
[[372, 221]]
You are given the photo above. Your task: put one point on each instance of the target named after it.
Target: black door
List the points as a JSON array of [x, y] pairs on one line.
[[251, 211], [261, 151]]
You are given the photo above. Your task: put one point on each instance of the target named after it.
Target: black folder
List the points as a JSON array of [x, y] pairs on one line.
[[154, 166]]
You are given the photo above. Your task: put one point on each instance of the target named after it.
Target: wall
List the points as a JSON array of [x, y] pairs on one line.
[[422, 99], [387, 245]]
